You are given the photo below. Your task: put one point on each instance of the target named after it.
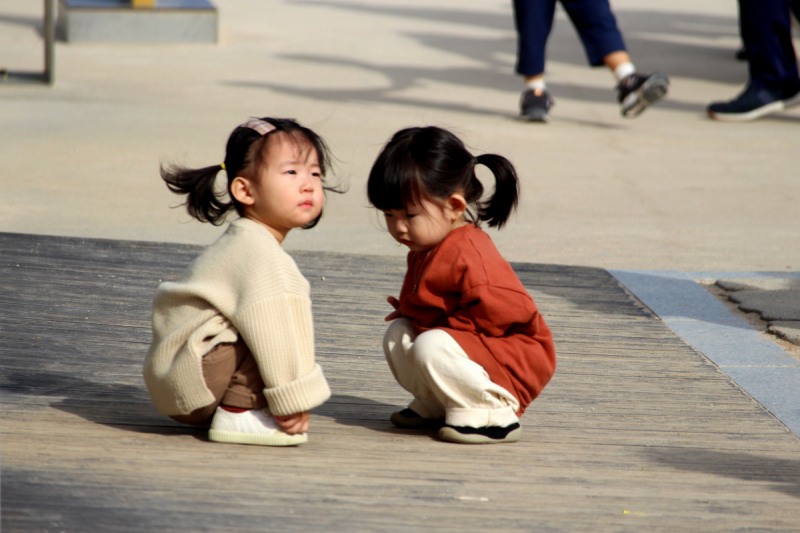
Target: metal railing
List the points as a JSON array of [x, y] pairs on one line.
[[49, 74]]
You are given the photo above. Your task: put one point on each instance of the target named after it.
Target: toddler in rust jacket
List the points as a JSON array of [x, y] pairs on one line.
[[466, 339]]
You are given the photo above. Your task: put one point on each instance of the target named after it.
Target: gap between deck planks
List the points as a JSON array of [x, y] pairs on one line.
[[636, 432]]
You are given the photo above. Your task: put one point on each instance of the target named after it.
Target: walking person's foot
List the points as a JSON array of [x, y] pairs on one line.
[[753, 102], [535, 104], [638, 91]]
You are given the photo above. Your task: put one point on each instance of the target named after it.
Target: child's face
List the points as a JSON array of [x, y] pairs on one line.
[[422, 226], [288, 192]]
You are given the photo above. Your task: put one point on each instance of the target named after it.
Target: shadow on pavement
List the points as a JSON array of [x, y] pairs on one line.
[[680, 45], [128, 407], [782, 475]]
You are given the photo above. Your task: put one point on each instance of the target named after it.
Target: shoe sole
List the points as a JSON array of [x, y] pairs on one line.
[[750, 115], [535, 116], [276, 439], [651, 91], [414, 423], [451, 435]]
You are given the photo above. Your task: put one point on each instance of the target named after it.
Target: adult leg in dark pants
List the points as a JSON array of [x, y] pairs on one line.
[[773, 82], [602, 41]]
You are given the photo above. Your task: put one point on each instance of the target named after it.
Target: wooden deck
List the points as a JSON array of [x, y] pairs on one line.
[[636, 432]]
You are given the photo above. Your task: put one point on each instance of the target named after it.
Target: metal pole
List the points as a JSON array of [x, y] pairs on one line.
[[50, 41]]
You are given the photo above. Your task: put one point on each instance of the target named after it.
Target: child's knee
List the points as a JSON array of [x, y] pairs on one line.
[[395, 332], [432, 348]]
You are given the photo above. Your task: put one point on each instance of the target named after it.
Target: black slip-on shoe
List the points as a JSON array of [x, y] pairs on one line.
[[484, 435], [410, 419]]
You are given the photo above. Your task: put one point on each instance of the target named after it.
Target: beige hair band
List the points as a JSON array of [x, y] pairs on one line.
[[259, 125]]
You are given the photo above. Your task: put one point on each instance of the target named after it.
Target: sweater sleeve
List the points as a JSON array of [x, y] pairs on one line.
[[279, 332]]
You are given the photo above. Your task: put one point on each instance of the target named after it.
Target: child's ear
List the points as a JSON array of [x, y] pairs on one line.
[[457, 205], [241, 191]]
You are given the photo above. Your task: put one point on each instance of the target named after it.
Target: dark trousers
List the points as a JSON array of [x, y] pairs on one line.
[[593, 20], [232, 376], [767, 37]]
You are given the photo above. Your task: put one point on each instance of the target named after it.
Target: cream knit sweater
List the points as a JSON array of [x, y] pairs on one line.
[[243, 284]]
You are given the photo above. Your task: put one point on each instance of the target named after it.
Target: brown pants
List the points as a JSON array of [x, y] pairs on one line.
[[232, 376]]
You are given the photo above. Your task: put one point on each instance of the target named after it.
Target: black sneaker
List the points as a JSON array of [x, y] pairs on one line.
[[637, 91], [534, 105], [409, 419], [484, 435], [754, 102]]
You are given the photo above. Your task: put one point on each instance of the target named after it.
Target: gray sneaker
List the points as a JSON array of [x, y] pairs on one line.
[[534, 105], [637, 91]]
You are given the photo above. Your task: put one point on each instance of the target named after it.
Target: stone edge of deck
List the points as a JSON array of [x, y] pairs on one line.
[[112, 21], [759, 366]]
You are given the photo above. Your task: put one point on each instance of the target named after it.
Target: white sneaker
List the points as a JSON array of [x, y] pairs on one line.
[[256, 426]]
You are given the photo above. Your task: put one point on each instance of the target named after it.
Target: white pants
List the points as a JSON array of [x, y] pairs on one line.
[[445, 382]]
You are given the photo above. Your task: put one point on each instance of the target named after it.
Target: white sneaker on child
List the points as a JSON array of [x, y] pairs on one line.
[[255, 426]]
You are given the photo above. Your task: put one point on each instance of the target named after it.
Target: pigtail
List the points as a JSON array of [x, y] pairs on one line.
[[498, 208], [203, 201]]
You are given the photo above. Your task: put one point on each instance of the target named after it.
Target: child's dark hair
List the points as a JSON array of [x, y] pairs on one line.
[[432, 163], [244, 155]]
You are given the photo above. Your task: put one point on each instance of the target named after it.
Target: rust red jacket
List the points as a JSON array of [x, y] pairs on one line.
[[465, 287]]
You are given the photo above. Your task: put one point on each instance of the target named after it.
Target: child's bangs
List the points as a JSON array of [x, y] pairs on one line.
[[301, 142], [398, 186], [303, 138]]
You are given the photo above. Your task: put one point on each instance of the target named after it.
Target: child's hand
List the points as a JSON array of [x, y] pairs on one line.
[[394, 302], [294, 424]]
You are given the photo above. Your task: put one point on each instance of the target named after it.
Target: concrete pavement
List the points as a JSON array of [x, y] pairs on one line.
[[670, 190], [671, 193]]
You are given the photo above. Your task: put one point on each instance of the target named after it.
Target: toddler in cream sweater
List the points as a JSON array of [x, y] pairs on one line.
[[233, 338]]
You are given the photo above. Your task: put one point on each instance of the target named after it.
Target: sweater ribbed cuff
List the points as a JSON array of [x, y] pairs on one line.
[[300, 395]]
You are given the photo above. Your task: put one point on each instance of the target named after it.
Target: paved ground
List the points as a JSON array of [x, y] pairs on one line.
[[670, 190], [637, 431], [765, 367], [670, 193]]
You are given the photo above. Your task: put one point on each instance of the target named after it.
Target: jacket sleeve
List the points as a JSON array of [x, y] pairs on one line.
[[497, 311], [280, 333]]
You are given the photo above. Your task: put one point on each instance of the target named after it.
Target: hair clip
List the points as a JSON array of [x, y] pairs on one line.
[[259, 125]]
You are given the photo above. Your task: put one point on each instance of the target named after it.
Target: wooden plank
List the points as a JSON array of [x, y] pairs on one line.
[[636, 432]]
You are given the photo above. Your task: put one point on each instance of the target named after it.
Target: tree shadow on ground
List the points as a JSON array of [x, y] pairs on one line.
[[35, 23], [681, 45], [781, 475]]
